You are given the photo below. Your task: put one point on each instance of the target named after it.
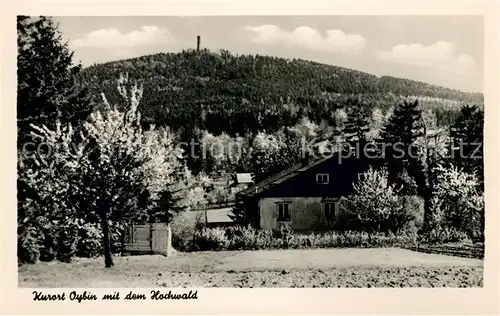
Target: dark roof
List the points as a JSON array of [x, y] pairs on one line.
[[281, 176]]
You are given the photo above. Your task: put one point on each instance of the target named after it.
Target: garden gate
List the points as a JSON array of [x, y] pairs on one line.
[[148, 239]]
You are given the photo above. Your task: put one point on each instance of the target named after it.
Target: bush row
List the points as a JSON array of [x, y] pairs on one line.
[[63, 241], [444, 235], [189, 235], [248, 238]]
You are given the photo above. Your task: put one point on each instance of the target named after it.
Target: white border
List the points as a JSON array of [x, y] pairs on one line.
[[265, 300]]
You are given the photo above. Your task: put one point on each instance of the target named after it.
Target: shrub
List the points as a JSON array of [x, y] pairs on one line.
[[235, 235], [117, 233], [264, 239], [218, 195], [90, 241], [242, 237], [374, 202], [458, 202], [248, 238], [409, 216], [332, 239], [28, 248], [285, 234], [211, 239], [64, 241], [184, 227], [57, 240], [67, 240], [444, 235], [47, 234]]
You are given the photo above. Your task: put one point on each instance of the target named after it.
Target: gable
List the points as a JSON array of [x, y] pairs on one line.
[[340, 178], [300, 179]]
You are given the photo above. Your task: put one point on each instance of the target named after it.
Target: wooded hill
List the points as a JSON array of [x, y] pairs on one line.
[[221, 92]]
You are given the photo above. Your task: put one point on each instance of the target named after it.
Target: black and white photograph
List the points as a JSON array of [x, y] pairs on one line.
[[331, 151]]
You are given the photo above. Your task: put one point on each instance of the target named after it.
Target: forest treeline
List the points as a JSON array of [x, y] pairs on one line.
[[221, 92]]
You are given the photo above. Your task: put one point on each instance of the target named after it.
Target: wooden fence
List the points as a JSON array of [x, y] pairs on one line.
[[148, 239], [458, 250]]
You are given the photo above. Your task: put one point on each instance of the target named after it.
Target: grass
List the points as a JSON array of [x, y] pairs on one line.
[[382, 267]]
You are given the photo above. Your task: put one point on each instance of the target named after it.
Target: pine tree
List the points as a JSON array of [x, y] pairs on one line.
[[47, 87], [467, 141], [357, 125], [170, 203], [398, 143]]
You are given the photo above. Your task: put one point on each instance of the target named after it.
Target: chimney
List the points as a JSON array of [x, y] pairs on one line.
[[198, 39]]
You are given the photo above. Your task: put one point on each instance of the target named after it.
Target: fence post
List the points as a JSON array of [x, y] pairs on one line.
[[161, 243], [169, 240]]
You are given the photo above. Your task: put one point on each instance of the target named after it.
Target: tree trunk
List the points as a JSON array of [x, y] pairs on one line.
[[108, 259], [428, 193]]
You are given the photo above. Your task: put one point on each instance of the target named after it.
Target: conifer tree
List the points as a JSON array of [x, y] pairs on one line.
[[357, 125], [467, 141], [398, 144], [47, 87]]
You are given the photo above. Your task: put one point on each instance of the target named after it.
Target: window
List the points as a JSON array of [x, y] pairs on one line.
[[284, 211], [322, 178], [329, 209]]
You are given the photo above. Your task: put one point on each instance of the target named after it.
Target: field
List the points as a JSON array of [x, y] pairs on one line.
[[387, 267]]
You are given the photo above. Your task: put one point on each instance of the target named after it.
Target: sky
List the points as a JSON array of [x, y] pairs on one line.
[[442, 50]]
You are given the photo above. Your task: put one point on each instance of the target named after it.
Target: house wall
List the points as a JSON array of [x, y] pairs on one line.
[[306, 213]]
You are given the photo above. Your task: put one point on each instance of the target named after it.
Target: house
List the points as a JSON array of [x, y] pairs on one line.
[[306, 196]]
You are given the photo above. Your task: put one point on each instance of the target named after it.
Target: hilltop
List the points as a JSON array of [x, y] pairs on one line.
[[251, 92]]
